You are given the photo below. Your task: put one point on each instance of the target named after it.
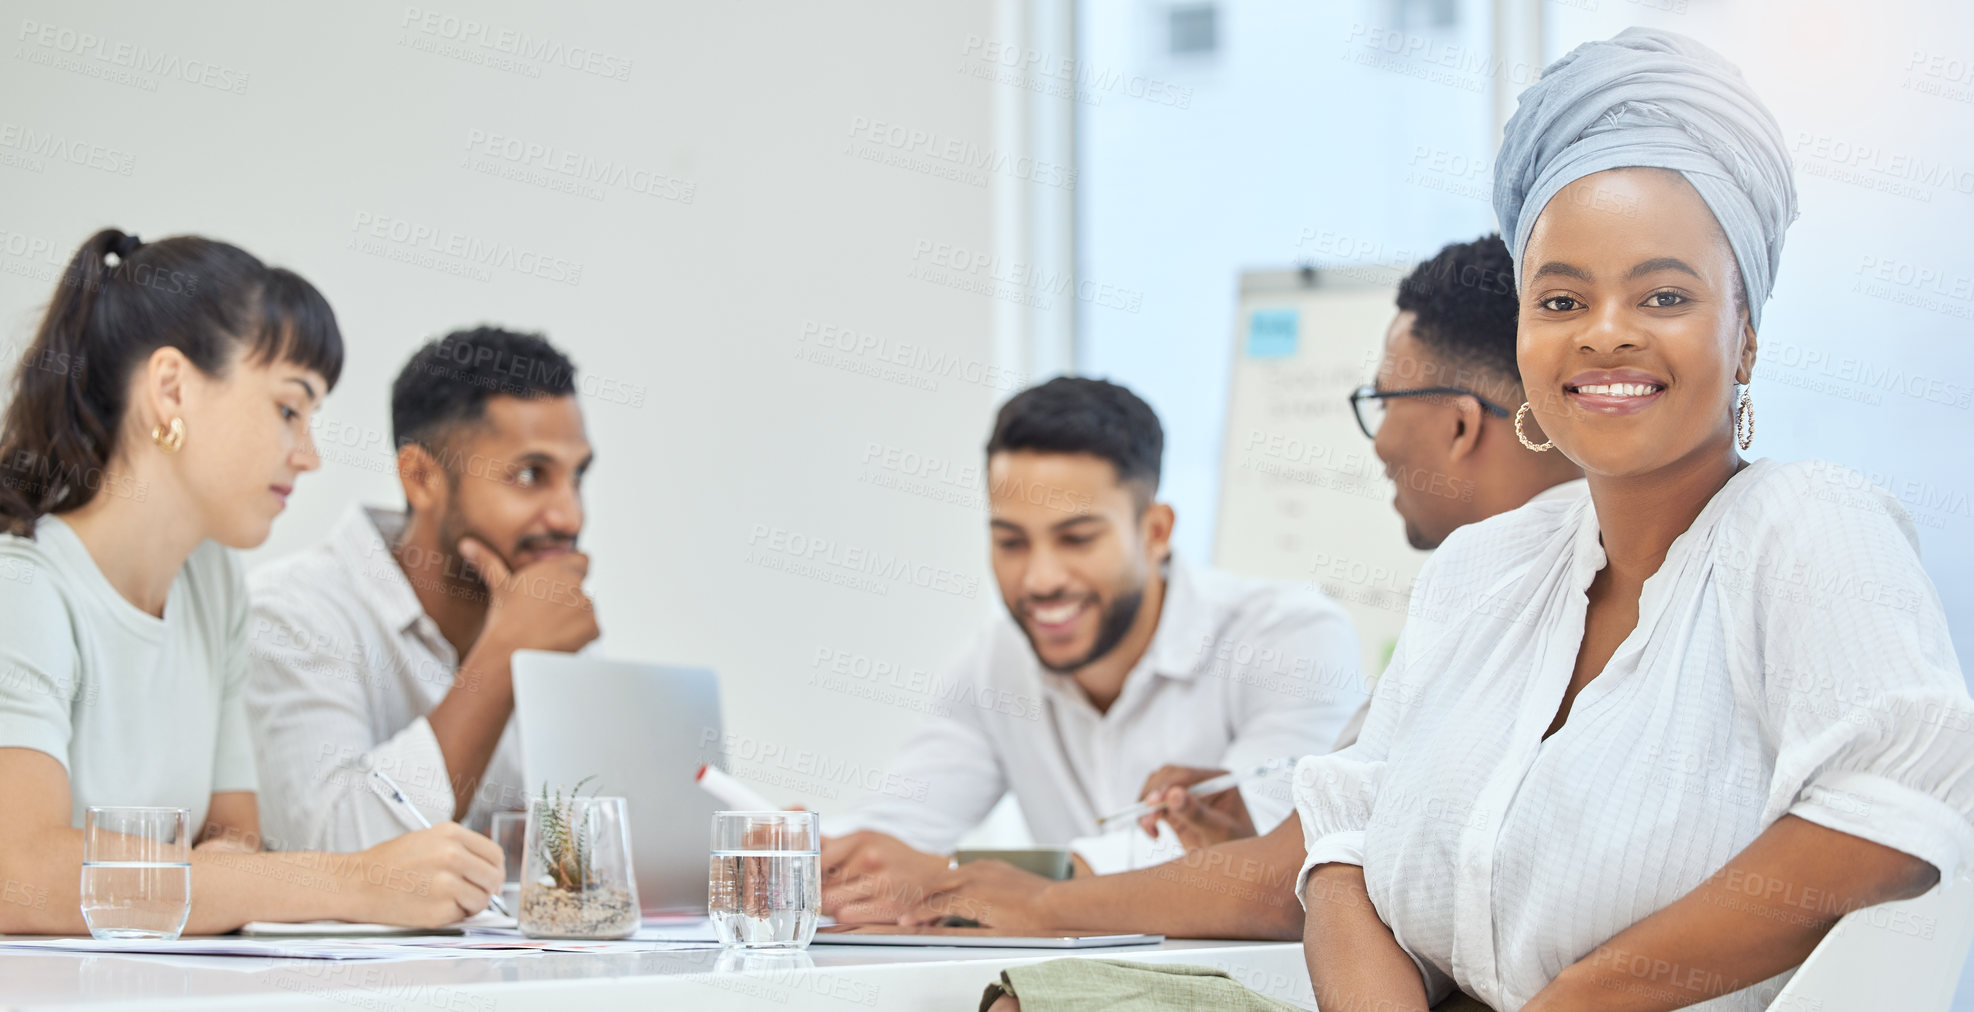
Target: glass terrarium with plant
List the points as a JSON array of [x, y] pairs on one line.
[[576, 877]]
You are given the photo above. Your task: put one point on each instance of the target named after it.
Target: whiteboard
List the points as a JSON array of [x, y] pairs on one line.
[[1302, 496]]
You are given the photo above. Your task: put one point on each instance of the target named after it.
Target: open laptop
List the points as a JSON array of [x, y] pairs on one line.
[[642, 730]]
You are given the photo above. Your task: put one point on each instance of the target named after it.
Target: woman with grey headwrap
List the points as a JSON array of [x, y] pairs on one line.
[[1638, 749], [1642, 749]]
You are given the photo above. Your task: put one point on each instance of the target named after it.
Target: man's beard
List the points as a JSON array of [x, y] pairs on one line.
[[1112, 627], [453, 528]]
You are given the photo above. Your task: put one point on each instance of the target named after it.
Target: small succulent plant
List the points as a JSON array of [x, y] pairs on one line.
[[563, 845]]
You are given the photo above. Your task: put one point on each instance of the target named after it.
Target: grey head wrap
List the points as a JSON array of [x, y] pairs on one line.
[[1652, 98]]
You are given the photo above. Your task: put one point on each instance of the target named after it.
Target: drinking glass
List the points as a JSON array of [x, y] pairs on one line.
[[764, 889], [510, 831], [576, 877], [136, 871]]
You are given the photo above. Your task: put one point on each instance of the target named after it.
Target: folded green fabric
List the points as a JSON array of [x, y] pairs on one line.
[[1074, 985]]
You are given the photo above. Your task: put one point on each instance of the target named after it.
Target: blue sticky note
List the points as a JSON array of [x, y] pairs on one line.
[[1271, 333]]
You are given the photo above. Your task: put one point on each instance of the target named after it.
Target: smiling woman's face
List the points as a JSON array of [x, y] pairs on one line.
[[1632, 331]]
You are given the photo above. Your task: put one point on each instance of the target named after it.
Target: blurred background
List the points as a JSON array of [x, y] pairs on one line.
[[800, 252]]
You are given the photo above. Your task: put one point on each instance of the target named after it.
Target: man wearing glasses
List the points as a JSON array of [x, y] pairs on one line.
[[1441, 413], [1438, 415]]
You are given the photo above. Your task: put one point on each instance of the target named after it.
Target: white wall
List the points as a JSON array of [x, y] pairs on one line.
[[688, 317]]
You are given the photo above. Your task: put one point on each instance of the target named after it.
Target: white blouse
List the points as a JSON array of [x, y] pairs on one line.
[[1790, 657]]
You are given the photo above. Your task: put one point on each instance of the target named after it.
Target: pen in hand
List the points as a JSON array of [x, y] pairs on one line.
[[1214, 785], [387, 789]]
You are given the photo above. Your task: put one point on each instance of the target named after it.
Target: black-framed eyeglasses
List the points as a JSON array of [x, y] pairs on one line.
[[1368, 403]]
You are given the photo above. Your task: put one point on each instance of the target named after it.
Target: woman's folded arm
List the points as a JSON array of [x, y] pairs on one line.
[[1759, 915]]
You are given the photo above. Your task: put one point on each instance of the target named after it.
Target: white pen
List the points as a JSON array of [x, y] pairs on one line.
[[387, 789], [1211, 786]]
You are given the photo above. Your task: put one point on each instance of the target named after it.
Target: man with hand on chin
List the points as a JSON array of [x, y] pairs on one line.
[[1122, 657], [388, 647]]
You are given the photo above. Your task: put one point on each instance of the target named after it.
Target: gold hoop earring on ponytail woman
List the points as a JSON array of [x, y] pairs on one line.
[[169, 436], [1545, 447]]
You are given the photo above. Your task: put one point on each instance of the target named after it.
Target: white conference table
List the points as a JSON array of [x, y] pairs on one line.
[[881, 978]]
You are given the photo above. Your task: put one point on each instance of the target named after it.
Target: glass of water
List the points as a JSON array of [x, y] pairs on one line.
[[510, 830], [136, 871], [765, 886]]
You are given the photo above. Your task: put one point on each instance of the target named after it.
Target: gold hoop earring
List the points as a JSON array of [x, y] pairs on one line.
[[171, 437], [1544, 448], [1744, 411]]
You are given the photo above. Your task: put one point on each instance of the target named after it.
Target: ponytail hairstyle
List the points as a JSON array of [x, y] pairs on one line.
[[119, 300]]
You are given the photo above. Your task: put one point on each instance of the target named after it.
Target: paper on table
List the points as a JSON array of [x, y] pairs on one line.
[[654, 929], [346, 929], [489, 944], [697, 929], [229, 946]]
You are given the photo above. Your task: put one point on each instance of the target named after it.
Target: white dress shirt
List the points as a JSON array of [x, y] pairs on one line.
[[1238, 672], [346, 666], [1790, 658], [1561, 490]]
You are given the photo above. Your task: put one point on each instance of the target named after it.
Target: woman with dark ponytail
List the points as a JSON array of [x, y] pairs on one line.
[[160, 419]]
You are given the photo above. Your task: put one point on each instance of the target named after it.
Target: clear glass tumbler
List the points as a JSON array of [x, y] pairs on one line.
[[136, 871], [764, 889], [510, 831], [576, 877]]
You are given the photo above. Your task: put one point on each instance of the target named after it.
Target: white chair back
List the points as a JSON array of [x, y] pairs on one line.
[[1905, 955]]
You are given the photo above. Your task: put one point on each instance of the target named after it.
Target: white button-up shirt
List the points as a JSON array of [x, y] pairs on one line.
[[346, 666], [1561, 490], [1790, 658], [1238, 672]]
